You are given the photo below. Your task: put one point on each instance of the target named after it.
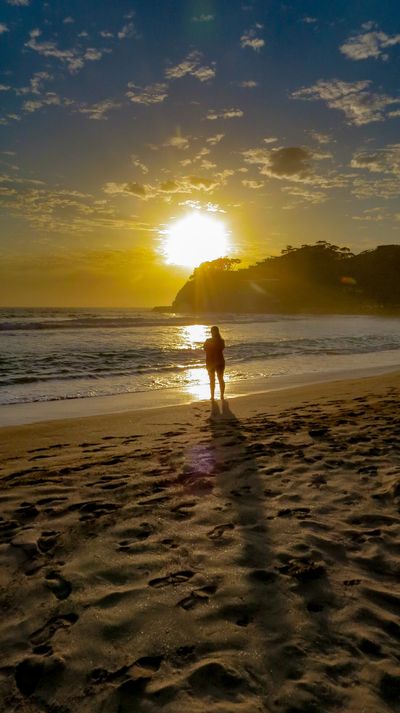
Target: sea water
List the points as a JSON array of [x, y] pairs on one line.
[[62, 354]]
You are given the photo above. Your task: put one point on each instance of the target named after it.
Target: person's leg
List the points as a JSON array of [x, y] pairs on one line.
[[211, 375], [221, 383]]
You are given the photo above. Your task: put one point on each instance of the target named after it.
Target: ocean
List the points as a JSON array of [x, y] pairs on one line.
[[61, 354]]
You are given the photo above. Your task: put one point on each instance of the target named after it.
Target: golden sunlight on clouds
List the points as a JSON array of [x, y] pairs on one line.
[[195, 238]]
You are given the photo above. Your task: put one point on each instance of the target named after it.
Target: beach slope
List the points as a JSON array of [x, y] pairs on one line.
[[194, 559]]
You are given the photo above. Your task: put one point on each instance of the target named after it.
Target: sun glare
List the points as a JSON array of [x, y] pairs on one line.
[[195, 238]]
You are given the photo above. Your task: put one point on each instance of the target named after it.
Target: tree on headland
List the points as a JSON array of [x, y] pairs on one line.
[[221, 264], [320, 278]]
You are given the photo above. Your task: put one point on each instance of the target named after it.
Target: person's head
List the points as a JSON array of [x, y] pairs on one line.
[[215, 333]]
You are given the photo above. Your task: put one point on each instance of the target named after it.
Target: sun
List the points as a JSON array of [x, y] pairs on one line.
[[195, 238]]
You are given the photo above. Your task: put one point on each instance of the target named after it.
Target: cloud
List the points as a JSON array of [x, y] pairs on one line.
[[248, 84], [35, 83], [127, 31], [5, 120], [19, 3], [59, 209], [193, 66], [73, 58], [320, 137], [3, 28], [386, 160], [151, 94], [203, 18], [213, 140], [270, 140], [68, 21], [355, 99], [301, 193], [225, 114], [106, 34], [369, 44], [372, 215], [309, 20], [250, 38], [47, 99], [4, 87], [99, 110], [183, 185], [178, 142], [382, 187], [289, 162], [254, 185], [294, 164], [138, 164]]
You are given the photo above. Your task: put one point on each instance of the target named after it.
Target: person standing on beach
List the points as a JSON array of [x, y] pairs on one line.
[[215, 362]]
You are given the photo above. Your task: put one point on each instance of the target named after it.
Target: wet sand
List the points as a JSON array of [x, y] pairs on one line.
[[195, 559]]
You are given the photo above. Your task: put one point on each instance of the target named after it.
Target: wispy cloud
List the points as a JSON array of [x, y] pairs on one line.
[[74, 58], [193, 65], [225, 114], [47, 99], [35, 85], [320, 137], [248, 84], [3, 28], [382, 187], [309, 20], [384, 160], [253, 185], [127, 31], [98, 111], [359, 104], [213, 140], [367, 44], [151, 94], [178, 142], [19, 3], [251, 38], [138, 164], [182, 185], [203, 18], [8, 118]]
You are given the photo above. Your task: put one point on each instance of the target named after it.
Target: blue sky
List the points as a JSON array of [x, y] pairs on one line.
[[283, 117]]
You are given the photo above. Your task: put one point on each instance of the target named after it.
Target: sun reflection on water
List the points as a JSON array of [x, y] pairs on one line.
[[193, 335], [197, 383]]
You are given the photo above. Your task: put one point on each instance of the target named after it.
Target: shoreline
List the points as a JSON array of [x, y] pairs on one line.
[[86, 407], [146, 422]]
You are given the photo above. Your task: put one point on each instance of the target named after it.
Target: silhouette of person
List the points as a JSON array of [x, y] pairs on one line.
[[215, 362]]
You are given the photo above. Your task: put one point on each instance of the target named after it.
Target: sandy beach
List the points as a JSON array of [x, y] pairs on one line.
[[204, 559]]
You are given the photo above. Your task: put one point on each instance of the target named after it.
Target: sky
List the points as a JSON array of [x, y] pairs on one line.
[[117, 119]]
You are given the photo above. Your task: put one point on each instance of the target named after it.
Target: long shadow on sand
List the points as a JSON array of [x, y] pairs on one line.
[[241, 483], [277, 588]]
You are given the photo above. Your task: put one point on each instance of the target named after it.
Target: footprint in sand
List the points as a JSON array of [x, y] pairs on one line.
[[172, 579], [220, 530], [46, 632], [128, 676], [60, 587], [32, 670], [197, 596], [300, 513], [47, 541]]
